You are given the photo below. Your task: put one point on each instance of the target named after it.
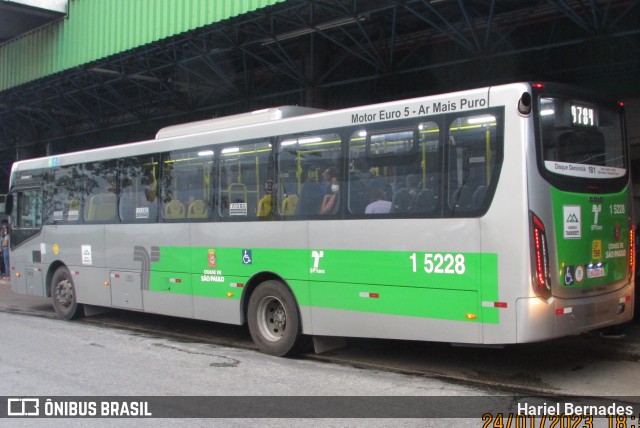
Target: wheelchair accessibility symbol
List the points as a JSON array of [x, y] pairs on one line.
[[569, 275], [246, 257]]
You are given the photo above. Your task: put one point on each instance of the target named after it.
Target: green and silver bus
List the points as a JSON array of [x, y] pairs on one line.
[[489, 216]]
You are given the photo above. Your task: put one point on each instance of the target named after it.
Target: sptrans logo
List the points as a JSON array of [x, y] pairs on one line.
[[572, 224], [316, 256]]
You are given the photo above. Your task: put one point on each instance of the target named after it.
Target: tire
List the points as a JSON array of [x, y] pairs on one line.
[[63, 295], [274, 321]]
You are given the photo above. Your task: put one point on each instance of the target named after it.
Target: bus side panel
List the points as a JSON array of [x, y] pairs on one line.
[[25, 261], [226, 256], [81, 249], [405, 279], [224, 309], [155, 277], [368, 324], [90, 285], [169, 289], [168, 303], [33, 259]]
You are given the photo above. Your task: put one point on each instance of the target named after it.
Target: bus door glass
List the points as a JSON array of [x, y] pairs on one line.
[[26, 215]]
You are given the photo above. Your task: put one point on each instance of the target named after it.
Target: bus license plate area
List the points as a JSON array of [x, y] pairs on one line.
[[596, 271]]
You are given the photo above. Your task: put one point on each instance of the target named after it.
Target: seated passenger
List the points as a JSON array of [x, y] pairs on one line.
[[402, 201], [412, 182], [330, 200], [380, 204], [327, 180]]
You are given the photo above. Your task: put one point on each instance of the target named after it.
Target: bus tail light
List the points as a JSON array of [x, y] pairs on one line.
[[632, 250], [542, 280]]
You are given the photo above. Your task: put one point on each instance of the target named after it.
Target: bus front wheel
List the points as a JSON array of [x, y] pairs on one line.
[[274, 322], [63, 295]]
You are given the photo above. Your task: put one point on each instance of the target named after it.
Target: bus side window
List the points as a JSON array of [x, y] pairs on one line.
[[65, 188], [474, 157], [310, 199], [138, 201], [310, 167], [359, 184], [243, 186], [186, 192], [100, 190], [395, 169]]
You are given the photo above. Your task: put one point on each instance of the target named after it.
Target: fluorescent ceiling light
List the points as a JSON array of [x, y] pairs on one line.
[[309, 140], [481, 119], [301, 141]]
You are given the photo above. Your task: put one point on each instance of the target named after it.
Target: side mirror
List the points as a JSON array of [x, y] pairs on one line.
[[524, 105]]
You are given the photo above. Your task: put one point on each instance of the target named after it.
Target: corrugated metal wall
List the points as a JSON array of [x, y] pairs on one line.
[[98, 28]]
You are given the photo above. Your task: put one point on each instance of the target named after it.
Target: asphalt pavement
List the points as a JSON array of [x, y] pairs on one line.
[[585, 365]]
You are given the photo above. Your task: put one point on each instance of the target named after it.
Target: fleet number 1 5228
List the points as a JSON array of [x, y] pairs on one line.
[[440, 263]]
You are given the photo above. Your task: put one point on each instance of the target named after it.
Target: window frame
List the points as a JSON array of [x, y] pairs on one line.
[[17, 232]]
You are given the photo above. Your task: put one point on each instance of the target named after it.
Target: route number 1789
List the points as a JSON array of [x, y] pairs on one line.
[[440, 263]]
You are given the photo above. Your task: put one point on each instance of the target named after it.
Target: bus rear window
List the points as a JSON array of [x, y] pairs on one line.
[[582, 140]]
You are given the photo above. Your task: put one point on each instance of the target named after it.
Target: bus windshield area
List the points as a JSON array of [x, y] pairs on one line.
[[581, 139]]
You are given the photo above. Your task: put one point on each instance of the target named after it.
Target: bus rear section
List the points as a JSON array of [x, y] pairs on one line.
[[581, 220]]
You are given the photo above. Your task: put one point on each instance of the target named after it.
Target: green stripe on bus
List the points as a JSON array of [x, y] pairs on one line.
[[440, 285]]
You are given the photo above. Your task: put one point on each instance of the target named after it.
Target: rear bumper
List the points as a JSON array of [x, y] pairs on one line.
[[540, 320]]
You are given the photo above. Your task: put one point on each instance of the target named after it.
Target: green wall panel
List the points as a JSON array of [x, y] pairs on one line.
[[96, 29]]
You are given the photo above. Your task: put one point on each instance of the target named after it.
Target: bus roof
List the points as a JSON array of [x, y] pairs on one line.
[[263, 123], [242, 119]]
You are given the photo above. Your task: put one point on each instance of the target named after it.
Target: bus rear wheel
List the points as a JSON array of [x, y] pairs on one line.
[[63, 295], [274, 322]]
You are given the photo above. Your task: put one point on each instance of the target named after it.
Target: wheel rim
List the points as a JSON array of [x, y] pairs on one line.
[[272, 318], [64, 293]]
